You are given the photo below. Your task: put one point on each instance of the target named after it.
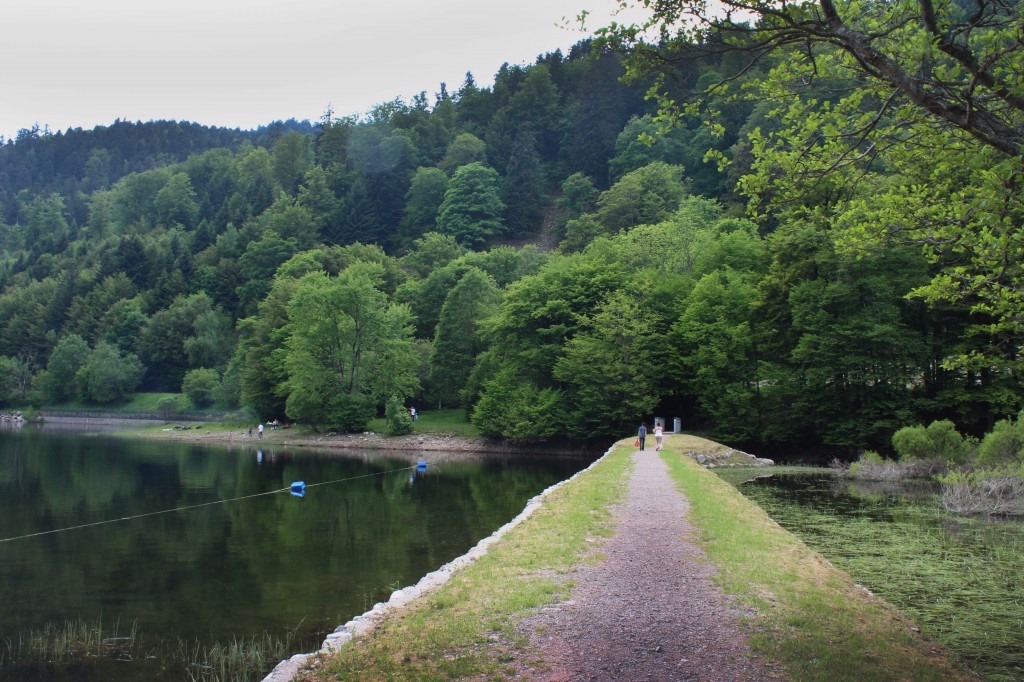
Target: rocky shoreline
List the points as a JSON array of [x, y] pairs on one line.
[[440, 446]]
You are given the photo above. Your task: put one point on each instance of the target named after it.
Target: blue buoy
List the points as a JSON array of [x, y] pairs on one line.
[[299, 488], [421, 466]]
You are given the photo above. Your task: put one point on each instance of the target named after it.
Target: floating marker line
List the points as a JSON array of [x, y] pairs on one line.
[[195, 506]]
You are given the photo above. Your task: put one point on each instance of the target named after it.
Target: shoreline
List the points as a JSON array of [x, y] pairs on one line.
[[454, 446]]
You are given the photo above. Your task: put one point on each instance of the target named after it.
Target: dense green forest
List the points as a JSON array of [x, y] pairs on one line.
[[767, 240]]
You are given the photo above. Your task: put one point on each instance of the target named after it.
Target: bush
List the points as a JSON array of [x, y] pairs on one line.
[[108, 376], [871, 466], [200, 385], [168, 406], [939, 441], [996, 490], [911, 442], [399, 423], [1004, 444]]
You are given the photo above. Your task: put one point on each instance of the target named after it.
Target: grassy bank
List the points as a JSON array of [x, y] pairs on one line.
[[806, 615], [448, 422], [432, 423]]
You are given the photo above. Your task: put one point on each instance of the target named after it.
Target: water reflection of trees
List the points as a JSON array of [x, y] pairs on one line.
[[280, 559], [875, 491]]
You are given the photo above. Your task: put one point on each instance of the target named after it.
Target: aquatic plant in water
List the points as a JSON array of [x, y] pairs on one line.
[[957, 577], [998, 490]]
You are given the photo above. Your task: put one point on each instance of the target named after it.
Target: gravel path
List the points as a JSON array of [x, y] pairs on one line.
[[649, 609]]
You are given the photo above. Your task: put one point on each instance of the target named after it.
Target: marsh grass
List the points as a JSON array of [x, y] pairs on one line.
[[996, 491], [467, 628], [72, 639], [957, 577], [807, 615], [239, 660]]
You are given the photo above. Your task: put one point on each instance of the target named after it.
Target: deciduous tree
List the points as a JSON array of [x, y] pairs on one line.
[[472, 206], [347, 348], [457, 340]]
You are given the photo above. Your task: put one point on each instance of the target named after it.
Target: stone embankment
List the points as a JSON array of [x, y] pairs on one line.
[[723, 456], [12, 418]]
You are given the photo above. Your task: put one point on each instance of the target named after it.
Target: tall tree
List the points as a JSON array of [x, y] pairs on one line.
[[293, 156], [612, 368], [109, 376], [162, 342], [907, 117], [68, 356], [472, 207], [457, 340], [466, 148], [347, 348], [524, 187], [175, 203], [431, 252], [536, 107], [422, 202]]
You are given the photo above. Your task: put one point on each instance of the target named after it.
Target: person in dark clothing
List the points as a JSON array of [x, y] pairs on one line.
[[641, 434]]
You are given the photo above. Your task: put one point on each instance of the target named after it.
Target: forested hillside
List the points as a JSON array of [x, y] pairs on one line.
[[559, 254]]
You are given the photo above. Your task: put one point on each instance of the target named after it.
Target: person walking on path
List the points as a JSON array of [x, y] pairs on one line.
[[641, 434], [259, 431], [658, 435], [649, 609]]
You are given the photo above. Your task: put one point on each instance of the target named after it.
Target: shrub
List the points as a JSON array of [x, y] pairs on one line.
[[168, 406], [397, 416], [200, 385], [939, 441], [871, 466], [1004, 444], [911, 442], [996, 490]]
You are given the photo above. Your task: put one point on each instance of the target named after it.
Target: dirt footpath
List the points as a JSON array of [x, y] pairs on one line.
[[648, 610]]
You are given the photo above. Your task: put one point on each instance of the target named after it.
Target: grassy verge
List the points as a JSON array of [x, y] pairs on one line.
[[436, 422], [466, 629], [809, 616]]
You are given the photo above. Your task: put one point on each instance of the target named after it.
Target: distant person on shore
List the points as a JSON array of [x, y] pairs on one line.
[[250, 430], [259, 431], [641, 434], [658, 435]]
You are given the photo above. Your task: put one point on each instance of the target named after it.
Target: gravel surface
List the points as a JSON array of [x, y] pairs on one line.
[[648, 610]]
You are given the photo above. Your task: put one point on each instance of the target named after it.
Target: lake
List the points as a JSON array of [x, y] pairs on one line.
[[959, 578], [265, 564]]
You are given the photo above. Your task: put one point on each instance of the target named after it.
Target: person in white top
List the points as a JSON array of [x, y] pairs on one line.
[[658, 435]]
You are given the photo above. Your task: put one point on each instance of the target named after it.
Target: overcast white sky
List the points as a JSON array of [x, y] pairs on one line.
[[243, 63]]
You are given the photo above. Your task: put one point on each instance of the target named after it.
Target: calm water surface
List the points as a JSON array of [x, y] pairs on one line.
[[271, 563], [961, 579]]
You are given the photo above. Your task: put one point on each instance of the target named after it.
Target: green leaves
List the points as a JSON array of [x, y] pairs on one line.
[[346, 348], [472, 207]]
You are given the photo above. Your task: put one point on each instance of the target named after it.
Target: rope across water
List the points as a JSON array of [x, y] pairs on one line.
[[197, 506]]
